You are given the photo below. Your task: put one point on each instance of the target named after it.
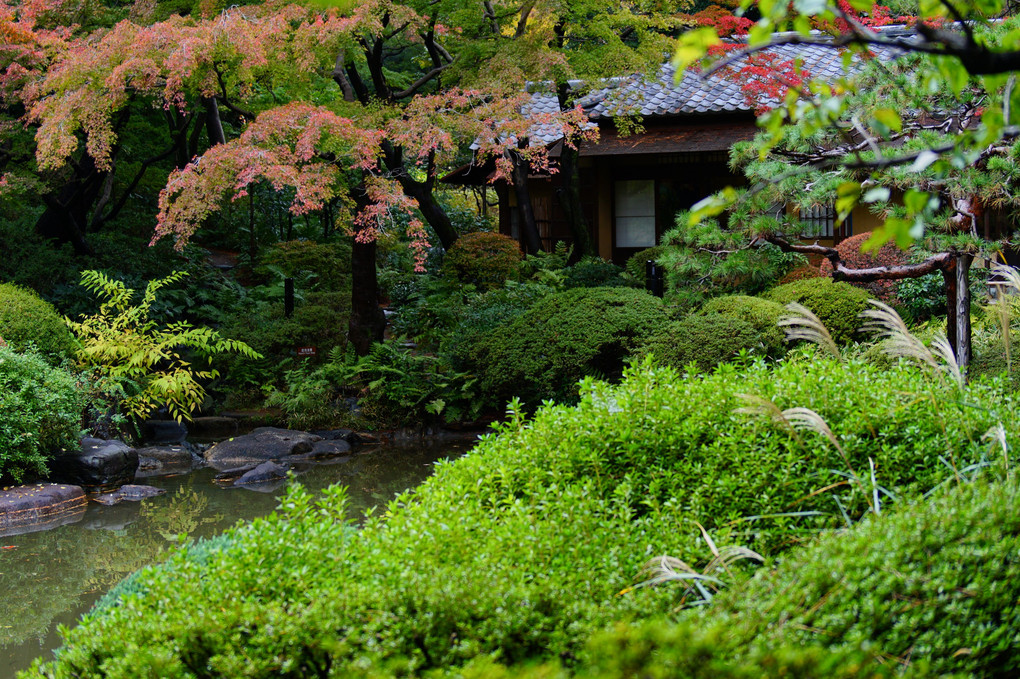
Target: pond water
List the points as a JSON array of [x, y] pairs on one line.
[[52, 577]]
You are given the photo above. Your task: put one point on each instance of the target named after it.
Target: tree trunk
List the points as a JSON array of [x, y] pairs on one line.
[[66, 213], [367, 321], [569, 195], [431, 210], [213, 123], [958, 308], [530, 237]]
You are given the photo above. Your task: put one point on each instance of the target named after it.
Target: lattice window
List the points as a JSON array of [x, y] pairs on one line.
[[635, 213], [818, 221]]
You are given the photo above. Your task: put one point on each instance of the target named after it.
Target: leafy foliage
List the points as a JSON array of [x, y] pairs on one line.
[[394, 387], [123, 344], [327, 264], [484, 259], [40, 413], [705, 341], [850, 253], [580, 496], [836, 304], [762, 314], [542, 353], [26, 320], [930, 586]]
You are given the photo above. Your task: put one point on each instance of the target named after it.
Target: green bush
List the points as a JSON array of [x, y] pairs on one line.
[[594, 272], [934, 584], [837, 305], [482, 315], [704, 340], [483, 258], [25, 319], [328, 265], [762, 314], [637, 262], [542, 353], [518, 550], [40, 413], [320, 320]]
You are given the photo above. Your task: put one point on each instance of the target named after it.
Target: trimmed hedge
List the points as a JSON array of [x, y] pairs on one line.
[[26, 319], [40, 414], [836, 304], [762, 314], [484, 258], [542, 353], [594, 272], [932, 586], [705, 341], [518, 550]]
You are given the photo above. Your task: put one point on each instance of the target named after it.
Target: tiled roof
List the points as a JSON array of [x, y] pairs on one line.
[[692, 95]]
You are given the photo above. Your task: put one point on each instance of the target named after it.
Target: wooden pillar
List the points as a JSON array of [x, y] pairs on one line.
[[604, 210], [958, 307]]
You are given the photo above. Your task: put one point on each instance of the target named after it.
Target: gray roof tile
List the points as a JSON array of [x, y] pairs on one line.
[[663, 96]]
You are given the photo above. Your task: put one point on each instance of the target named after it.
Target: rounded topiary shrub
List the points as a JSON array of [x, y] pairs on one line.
[[851, 255], [837, 305], [704, 340], [800, 273], [637, 262], [483, 258], [26, 319], [593, 272], [762, 314], [542, 353], [40, 413]]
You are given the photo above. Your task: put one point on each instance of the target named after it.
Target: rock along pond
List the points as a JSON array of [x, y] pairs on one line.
[[51, 578]]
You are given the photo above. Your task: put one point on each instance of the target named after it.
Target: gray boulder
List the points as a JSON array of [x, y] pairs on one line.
[[167, 459], [164, 431], [130, 492], [267, 472], [40, 506], [322, 450], [99, 465], [261, 445]]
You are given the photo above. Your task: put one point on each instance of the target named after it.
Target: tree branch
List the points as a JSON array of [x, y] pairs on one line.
[[420, 82], [841, 272], [340, 78]]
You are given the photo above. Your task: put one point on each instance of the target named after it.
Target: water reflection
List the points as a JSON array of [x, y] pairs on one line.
[[50, 578]]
